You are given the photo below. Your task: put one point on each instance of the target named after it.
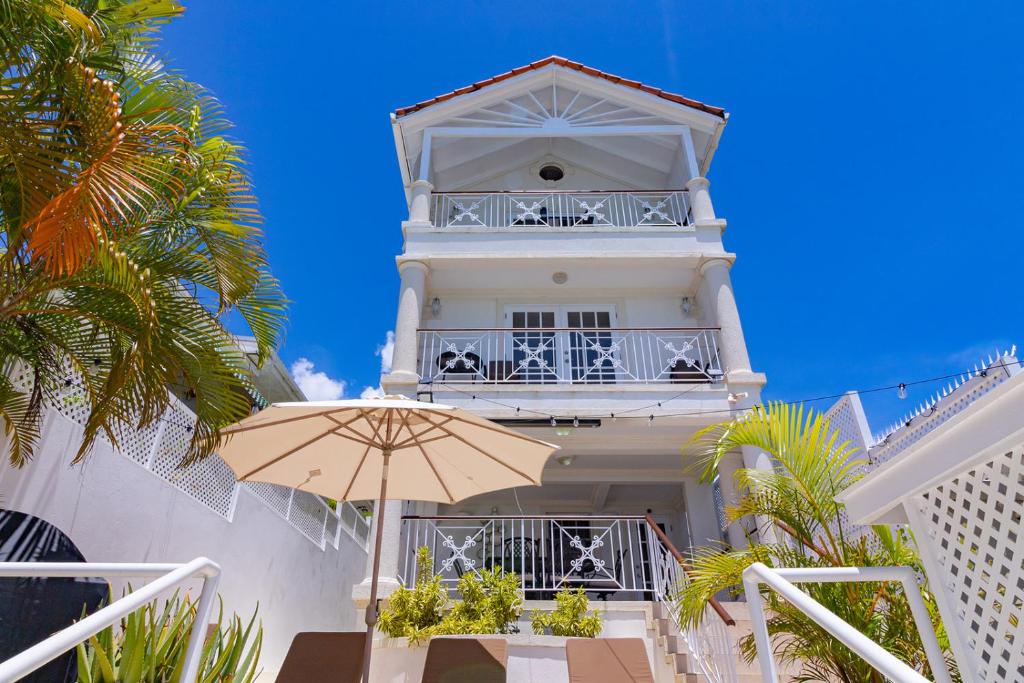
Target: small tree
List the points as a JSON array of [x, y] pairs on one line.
[[491, 603], [569, 618], [798, 497], [415, 613]]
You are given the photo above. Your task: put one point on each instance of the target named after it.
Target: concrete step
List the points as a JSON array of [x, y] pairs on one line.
[[701, 678]]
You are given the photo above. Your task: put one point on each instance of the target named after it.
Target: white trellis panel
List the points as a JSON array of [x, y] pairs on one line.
[[974, 528]]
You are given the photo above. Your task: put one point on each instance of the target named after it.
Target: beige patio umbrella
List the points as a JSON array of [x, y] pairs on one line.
[[387, 448]]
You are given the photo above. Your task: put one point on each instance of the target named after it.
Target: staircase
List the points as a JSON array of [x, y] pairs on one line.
[[672, 646]]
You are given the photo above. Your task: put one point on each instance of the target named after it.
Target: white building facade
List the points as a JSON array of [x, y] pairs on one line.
[[564, 273]]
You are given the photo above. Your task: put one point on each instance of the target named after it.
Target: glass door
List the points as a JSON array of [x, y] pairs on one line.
[[534, 342], [568, 343], [591, 353]]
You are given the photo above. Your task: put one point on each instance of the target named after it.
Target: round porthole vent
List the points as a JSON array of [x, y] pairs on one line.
[[551, 172]]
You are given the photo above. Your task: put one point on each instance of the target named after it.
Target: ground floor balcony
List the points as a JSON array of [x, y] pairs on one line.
[[607, 556], [569, 356]]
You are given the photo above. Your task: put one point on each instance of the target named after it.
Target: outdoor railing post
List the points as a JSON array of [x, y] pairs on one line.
[[196, 639]]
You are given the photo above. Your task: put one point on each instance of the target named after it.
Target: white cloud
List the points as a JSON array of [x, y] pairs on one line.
[[385, 352], [316, 385], [372, 392]]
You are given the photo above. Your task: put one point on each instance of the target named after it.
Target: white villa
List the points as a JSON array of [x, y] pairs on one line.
[[564, 274]]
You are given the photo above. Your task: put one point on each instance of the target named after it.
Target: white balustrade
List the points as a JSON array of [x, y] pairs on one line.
[[569, 356], [579, 210], [605, 555]]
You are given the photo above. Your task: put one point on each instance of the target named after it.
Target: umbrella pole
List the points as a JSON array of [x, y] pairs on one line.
[[371, 607]]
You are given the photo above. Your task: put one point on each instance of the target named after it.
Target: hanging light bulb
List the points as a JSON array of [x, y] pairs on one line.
[[901, 390], [554, 422], [614, 419], [576, 421], [650, 421]]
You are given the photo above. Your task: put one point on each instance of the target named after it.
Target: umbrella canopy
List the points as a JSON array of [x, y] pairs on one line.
[[336, 449], [388, 448]]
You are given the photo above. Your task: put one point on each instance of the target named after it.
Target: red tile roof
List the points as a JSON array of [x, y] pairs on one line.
[[562, 61]]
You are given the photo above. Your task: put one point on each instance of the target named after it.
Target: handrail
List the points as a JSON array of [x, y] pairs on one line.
[[871, 652], [169, 576], [713, 602]]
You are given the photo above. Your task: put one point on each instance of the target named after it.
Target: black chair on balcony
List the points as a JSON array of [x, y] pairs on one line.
[[449, 363], [681, 372]]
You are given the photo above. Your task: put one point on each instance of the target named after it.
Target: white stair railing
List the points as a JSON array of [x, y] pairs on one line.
[[168, 576], [782, 579]]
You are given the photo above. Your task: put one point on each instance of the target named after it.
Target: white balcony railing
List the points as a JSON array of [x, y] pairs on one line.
[[569, 356], [621, 556], [560, 209]]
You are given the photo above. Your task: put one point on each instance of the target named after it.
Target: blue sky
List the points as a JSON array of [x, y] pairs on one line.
[[871, 172]]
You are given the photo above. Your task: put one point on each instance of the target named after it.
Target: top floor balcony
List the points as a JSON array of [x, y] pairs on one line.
[[575, 209]]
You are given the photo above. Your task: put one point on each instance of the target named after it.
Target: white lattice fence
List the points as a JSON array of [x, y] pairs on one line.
[[974, 528], [161, 447]]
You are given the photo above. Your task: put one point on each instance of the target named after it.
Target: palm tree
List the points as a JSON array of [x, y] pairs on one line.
[[129, 228], [797, 497]]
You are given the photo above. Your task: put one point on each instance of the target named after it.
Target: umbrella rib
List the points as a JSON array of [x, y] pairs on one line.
[[227, 431], [416, 436], [477, 448], [499, 430], [437, 474], [285, 455], [352, 481], [345, 425]]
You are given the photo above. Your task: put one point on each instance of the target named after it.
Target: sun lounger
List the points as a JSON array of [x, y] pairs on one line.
[[314, 656], [608, 660], [466, 660]]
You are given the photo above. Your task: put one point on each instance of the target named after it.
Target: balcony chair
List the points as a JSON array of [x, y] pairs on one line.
[[460, 367], [324, 656], [608, 660], [681, 373], [466, 660], [607, 587]]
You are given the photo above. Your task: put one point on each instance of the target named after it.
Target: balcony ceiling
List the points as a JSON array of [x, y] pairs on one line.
[[547, 112]]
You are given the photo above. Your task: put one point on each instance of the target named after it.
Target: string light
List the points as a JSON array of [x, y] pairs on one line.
[[901, 388]]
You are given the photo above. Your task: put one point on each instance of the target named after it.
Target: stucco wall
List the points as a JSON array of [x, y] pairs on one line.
[[117, 511]]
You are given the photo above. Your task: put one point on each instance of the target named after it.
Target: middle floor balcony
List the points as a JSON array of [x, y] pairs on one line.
[[569, 356]]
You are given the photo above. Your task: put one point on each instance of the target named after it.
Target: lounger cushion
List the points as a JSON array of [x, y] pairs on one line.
[[315, 656], [466, 660], [608, 660]]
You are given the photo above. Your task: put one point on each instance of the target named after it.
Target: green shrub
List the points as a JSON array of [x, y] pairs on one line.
[[491, 603], [149, 647], [414, 613], [569, 617]]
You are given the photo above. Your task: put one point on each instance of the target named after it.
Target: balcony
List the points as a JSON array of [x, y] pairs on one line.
[[560, 356], [582, 210], [604, 555]]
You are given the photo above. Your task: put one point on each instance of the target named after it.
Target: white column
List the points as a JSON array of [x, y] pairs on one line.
[[410, 306], [720, 297], [727, 468], [419, 207], [755, 459], [390, 543], [700, 200]]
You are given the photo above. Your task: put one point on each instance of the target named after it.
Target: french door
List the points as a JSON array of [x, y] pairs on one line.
[[570, 343]]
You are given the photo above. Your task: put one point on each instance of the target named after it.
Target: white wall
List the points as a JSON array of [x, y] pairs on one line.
[[117, 511]]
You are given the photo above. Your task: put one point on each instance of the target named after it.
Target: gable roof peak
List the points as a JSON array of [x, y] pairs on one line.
[[568, 64]]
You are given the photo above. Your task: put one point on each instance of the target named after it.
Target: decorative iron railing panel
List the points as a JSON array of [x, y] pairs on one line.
[[604, 555], [560, 209], [607, 556], [569, 356]]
